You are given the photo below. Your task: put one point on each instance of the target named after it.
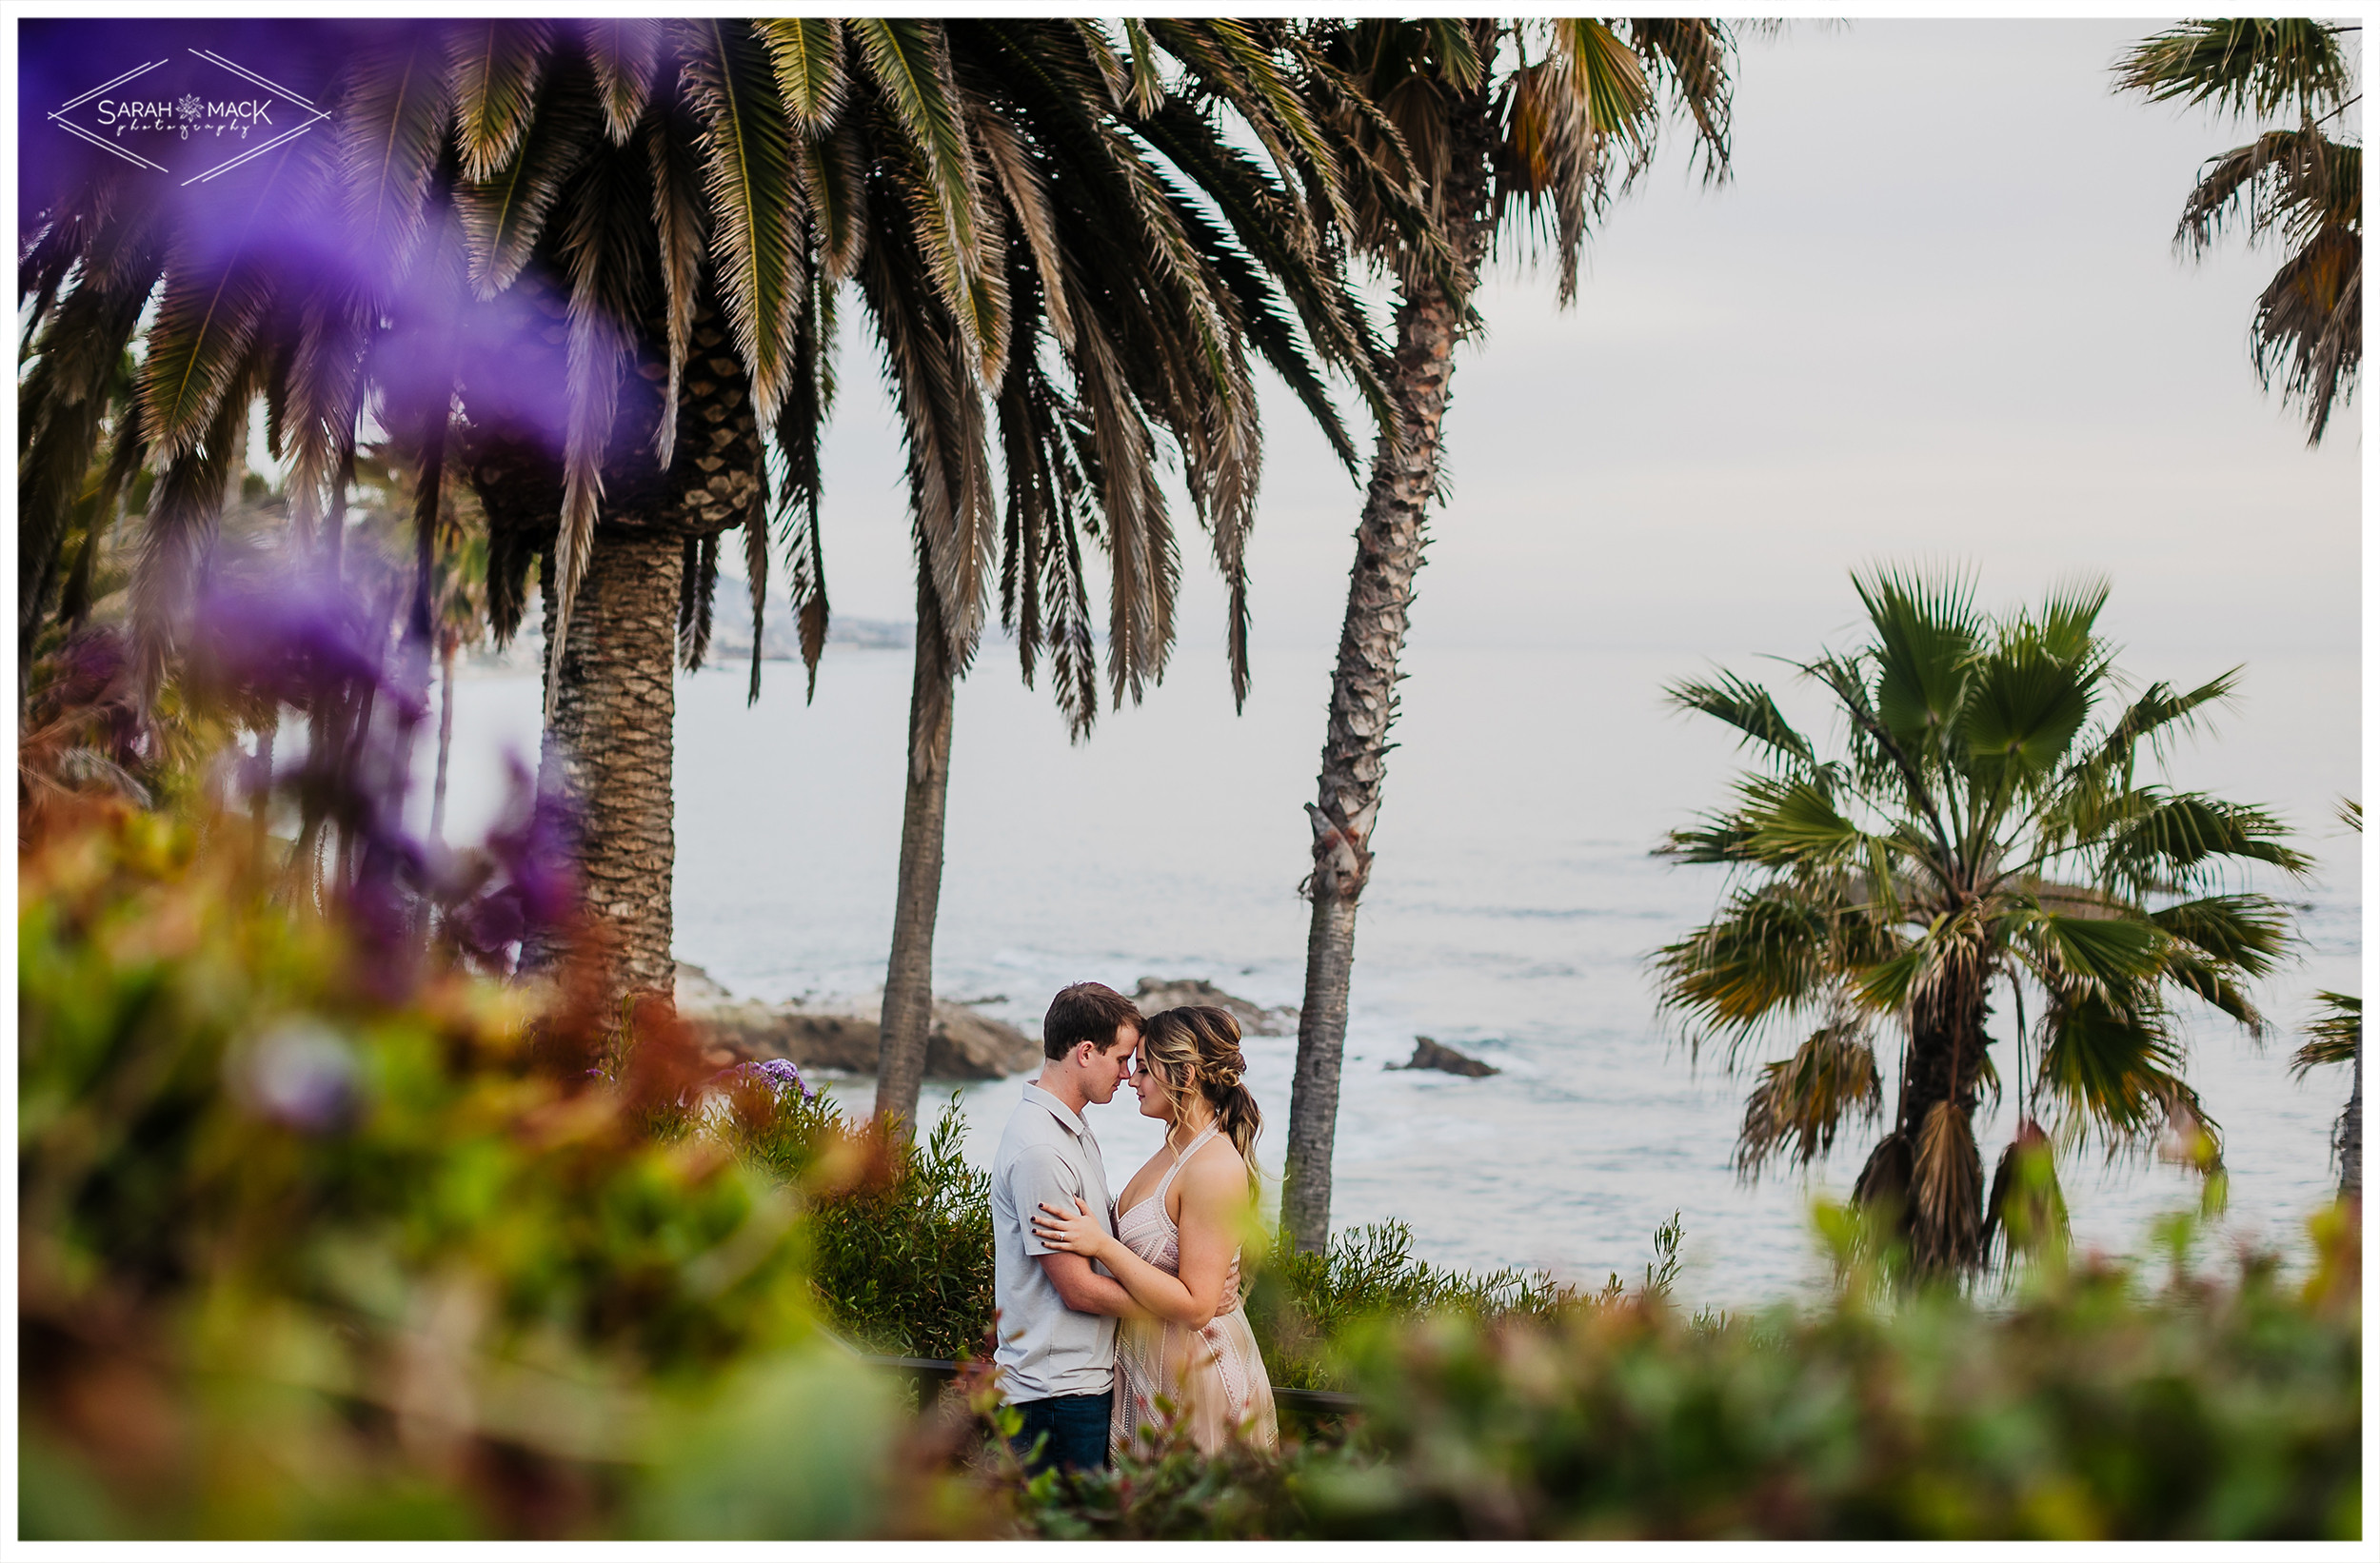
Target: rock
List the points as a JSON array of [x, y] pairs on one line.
[[1156, 993], [697, 987], [841, 1035], [1429, 1054]]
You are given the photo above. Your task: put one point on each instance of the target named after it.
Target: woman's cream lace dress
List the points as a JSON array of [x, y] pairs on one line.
[[1213, 1377]]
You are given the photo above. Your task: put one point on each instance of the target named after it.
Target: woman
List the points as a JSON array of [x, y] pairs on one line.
[[1177, 1244]]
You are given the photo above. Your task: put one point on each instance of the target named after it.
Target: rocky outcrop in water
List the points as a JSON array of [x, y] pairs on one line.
[[841, 1035], [1428, 1053], [1156, 993]]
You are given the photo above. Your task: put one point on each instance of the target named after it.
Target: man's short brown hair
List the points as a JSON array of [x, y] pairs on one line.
[[1088, 1012]]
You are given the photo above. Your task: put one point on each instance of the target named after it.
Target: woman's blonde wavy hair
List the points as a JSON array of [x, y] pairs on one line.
[[1196, 1048]]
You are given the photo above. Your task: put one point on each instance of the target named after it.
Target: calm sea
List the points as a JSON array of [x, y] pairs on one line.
[[1512, 906]]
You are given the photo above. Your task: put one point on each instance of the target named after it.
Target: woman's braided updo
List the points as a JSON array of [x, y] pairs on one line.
[[1196, 1048]]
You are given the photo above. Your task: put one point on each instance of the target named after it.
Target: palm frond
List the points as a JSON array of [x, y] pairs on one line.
[[2335, 1036], [2109, 1066], [2022, 710], [2025, 1209], [1802, 1101], [184, 517], [503, 211], [1745, 707], [1693, 53], [1927, 637], [910, 66], [205, 323], [2309, 326], [391, 125], [604, 258], [2247, 932], [1946, 1190], [496, 64], [748, 170], [623, 52], [2180, 838], [808, 54], [1769, 952], [2248, 66], [698, 581], [672, 147]]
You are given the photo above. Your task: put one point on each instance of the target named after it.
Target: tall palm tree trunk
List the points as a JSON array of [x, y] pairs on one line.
[[445, 740], [907, 1019], [2351, 1134], [609, 745], [1430, 322]]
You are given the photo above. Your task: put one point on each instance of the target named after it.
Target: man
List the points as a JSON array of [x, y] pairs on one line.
[[1058, 1312]]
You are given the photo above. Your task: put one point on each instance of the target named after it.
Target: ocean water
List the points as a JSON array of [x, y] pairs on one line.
[[1512, 906]]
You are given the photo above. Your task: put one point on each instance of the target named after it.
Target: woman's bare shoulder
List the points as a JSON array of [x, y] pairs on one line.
[[1216, 1169]]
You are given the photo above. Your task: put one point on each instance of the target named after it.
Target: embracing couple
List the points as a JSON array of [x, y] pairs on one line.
[[1106, 1305]]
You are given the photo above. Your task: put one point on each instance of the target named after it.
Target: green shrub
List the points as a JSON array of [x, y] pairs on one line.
[[2089, 1406], [900, 1233]]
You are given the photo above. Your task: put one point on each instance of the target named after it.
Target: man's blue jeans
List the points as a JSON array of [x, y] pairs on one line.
[[1077, 1429]]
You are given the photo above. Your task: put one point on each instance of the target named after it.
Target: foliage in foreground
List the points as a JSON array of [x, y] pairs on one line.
[[2090, 1408], [322, 1233]]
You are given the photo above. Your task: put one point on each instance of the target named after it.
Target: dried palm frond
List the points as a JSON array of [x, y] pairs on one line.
[[1801, 1101], [1946, 1190]]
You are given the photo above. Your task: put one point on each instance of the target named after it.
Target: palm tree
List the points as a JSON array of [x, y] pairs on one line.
[[1986, 822], [1518, 130], [2297, 184], [2336, 1036], [1134, 290]]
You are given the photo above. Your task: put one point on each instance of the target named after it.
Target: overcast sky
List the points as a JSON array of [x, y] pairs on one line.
[[1935, 314]]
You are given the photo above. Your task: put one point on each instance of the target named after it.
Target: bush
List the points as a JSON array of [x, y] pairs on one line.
[[2091, 1406], [900, 1233]]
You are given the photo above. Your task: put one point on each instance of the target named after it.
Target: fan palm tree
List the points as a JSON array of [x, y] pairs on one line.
[[1986, 823], [1520, 131], [2298, 184], [1133, 293]]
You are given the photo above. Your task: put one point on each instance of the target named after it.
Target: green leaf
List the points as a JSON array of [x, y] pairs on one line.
[[2023, 707], [2249, 932], [2336, 1036], [1748, 708], [1927, 636], [2178, 836], [2111, 952]]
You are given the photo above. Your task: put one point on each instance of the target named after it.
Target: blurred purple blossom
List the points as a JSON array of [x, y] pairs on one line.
[[301, 1074]]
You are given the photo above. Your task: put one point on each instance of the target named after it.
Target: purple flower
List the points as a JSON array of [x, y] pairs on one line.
[[782, 1075]]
